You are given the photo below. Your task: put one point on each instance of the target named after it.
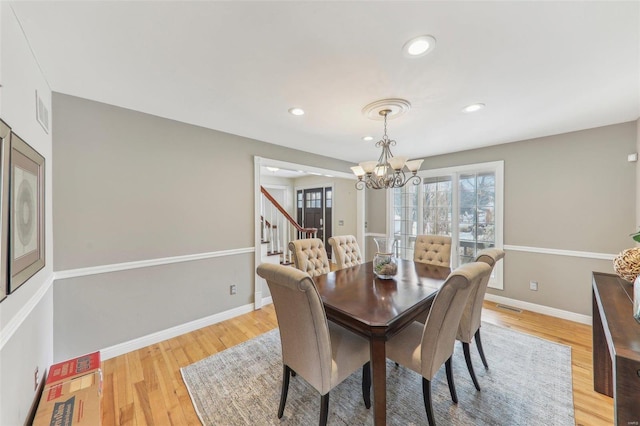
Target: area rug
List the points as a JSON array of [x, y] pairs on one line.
[[528, 383]]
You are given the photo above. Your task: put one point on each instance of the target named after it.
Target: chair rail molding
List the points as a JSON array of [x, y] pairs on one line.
[[560, 252], [12, 326], [115, 267]]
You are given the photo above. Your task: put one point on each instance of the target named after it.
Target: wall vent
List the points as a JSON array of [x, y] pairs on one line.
[[42, 113], [508, 308]]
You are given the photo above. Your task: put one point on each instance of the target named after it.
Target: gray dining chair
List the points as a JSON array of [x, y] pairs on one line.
[[310, 255], [433, 249], [346, 251], [471, 320], [424, 348], [322, 353]]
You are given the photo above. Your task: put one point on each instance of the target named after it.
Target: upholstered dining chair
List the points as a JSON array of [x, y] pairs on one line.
[[310, 255], [346, 251], [471, 317], [424, 348], [322, 353], [433, 249]]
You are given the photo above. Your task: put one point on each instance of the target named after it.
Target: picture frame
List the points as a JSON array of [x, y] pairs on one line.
[[26, 212], [5, 140]]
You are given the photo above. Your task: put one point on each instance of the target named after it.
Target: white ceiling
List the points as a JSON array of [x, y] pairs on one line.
[[541, 68]]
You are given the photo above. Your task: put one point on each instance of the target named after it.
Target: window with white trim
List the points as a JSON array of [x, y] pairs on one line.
[[474, 192]]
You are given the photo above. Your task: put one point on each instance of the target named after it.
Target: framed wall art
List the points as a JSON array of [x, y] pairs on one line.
[[5, 133], [26, 212]]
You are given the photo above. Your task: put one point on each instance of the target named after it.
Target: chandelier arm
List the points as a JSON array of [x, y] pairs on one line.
[[415, 179]]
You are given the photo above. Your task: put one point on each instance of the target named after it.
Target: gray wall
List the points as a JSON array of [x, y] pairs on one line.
[[26, 333], [129, 187], [637, 177], [573, 192], [375, 218]]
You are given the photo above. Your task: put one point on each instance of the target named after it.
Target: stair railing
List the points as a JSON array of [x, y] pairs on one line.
[[280, 227]]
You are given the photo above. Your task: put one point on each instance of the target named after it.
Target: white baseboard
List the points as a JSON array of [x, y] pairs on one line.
[[267, 300], [541, 309], [150, 339]]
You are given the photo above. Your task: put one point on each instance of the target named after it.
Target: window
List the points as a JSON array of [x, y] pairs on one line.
[[474, 192]]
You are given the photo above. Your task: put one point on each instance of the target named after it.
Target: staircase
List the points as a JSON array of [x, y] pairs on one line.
[[277, 228]]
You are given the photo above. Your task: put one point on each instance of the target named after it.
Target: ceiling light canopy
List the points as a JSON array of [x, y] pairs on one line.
[[296, 111], [389, 171], [419, 46]]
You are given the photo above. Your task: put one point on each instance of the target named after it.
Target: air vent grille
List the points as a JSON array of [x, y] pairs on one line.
[[42, 113]]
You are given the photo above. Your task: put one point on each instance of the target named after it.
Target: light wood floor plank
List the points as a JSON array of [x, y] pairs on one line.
[[145, 387]]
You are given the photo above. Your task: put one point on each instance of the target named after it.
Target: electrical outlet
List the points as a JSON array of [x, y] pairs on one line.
[[533, 285], [233, 289], [35, 379]]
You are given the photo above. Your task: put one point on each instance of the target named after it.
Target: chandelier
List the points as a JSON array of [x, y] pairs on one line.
[[389, 171]]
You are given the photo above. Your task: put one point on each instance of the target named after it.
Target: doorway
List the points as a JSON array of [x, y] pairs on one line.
[[261, 291], [313, 210]]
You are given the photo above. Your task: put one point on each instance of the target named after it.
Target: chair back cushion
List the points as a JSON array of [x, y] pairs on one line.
[[439, 333], [472, 315], [346, 250], [310, 256], [304, 331], [433, 249]]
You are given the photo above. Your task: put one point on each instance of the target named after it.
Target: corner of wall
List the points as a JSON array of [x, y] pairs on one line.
[[26, 316]]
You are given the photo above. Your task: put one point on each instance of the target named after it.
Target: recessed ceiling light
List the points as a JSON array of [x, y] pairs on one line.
[[419, 46], [473, 107], [296, 111], [367, 138]]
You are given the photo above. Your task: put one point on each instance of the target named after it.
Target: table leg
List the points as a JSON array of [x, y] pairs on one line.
[[379, 380]]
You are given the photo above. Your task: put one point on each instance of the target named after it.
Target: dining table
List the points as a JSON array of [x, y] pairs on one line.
[[378, 309]]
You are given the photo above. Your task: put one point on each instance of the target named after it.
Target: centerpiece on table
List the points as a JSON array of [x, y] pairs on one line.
[[385, 265]]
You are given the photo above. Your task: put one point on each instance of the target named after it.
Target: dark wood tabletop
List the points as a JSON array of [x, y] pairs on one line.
[[365, 302], [377, 309]]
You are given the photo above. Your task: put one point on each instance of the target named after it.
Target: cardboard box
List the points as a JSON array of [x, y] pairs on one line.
[[73, 368], [75, 402]]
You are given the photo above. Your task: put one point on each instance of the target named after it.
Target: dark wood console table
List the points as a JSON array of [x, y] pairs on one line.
[[616, 346]]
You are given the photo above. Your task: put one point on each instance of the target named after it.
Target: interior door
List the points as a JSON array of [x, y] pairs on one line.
[[314, 211]]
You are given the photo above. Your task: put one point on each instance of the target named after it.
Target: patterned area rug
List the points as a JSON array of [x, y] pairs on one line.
[[528, 383]]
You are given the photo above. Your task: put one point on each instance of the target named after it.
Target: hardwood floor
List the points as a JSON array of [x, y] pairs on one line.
[[145, 387]]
